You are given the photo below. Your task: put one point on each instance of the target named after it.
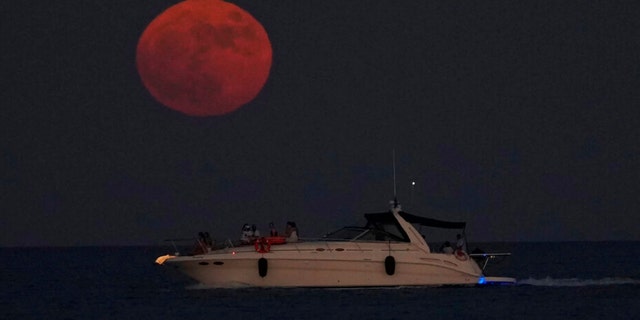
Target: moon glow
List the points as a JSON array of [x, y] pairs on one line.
[[204, 57]]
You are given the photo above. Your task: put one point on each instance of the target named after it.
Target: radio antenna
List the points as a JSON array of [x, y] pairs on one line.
[[395, 198], [394, 173]]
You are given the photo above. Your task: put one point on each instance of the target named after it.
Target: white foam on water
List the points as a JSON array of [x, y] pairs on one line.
[[576, 282]]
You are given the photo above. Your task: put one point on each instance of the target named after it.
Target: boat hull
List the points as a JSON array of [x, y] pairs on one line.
[[329, 265]]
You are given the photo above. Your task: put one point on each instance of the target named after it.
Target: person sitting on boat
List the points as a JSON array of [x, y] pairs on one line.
[[460, 243], [201, 244], [206, 239], [246, 235], [255, 233], [291, 232], [446, 248], [274, 231]]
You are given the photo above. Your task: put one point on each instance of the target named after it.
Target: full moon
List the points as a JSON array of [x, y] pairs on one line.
[[204, 57]]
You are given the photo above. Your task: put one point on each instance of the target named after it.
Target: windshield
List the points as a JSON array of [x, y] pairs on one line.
[[361, 234]]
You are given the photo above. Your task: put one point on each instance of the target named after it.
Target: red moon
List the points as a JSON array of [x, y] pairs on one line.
[[204, 57]]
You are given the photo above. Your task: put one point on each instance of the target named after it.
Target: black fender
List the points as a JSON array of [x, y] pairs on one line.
[[263, 266], [390, 265]]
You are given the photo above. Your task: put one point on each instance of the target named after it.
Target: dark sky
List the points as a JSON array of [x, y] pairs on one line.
[[519, 117]]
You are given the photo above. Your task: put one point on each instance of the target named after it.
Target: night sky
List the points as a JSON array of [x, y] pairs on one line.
[[519, 117]]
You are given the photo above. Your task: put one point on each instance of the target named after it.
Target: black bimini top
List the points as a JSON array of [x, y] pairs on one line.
[[384, 226], [385, 221], [387, 217]]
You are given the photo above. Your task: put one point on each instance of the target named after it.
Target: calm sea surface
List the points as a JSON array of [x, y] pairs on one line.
[[573, 280]]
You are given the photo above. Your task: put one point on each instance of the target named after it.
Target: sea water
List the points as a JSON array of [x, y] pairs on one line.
[[570, 280]]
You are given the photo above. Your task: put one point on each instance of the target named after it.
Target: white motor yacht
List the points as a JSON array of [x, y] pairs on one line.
[[387, 251]]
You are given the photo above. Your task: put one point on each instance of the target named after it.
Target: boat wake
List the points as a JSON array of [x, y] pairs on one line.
[[575, 282]]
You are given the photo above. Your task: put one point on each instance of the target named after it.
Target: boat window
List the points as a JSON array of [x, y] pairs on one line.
[[393, 230], [378, 235], [347, 233]]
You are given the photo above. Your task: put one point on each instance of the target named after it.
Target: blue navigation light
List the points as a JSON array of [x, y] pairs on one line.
[[481, 280]]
